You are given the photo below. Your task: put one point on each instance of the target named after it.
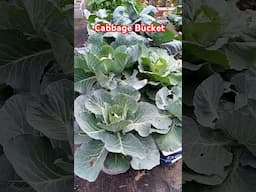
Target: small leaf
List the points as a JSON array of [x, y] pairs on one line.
[[116, 163]]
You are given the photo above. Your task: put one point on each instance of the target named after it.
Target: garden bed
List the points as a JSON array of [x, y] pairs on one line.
[[159, 179]]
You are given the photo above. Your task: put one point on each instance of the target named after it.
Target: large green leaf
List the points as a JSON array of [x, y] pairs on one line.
[[79, 136], [206, 100], [233, 124], [115, 127], [88, 123], [52, 115], [208, 157], [14, 16], [240, 55], [216, 57], [239, 179], [22, 61], [244, 84], [126, 90], [63, 51], [9, 179], [89, 160], [126, 101], [152, 155], [84, 82], [95, 102], [79, 106], [126, 144], [12, 117], [33, 159], [146, 116], [132, 80], [7, 171], [162, 98], [39, 13], [170, 100], [163, 37], [203, 179], [170, 141]]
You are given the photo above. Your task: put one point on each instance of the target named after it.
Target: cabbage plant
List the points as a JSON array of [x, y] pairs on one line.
[[120, 125], [128, 97], [127, 108]]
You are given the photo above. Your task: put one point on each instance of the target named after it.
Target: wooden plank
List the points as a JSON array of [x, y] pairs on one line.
[[80, 32], [77, 9]]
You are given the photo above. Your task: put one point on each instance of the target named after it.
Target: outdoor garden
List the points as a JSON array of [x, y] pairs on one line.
[[128, 97]]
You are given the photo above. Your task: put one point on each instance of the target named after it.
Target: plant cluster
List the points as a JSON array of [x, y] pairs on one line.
[[110, 5], [130, 15], [128, 100], [219, 101], [36, 95]]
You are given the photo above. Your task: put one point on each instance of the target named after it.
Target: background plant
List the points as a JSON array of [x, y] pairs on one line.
[[218, 104], [110, 6], [35, 74], [130, 15]]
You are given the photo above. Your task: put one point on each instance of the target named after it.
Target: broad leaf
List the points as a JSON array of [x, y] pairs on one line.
[[206, 100], [240, 55], [37, 166], [126, 144], [89, 160], [152, 156], [84, 82], [52, 114], [12, 117], [233, 124], [146, 116], [170, 141], [22, 61], [132, 80], [63, 51], [39, 14], [88, 123], [204, 152]]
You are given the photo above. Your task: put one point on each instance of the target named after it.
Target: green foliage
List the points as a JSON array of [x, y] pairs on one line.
[[128, 104], [219, 122], [110, 5], [130, 15], [35, 71]]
